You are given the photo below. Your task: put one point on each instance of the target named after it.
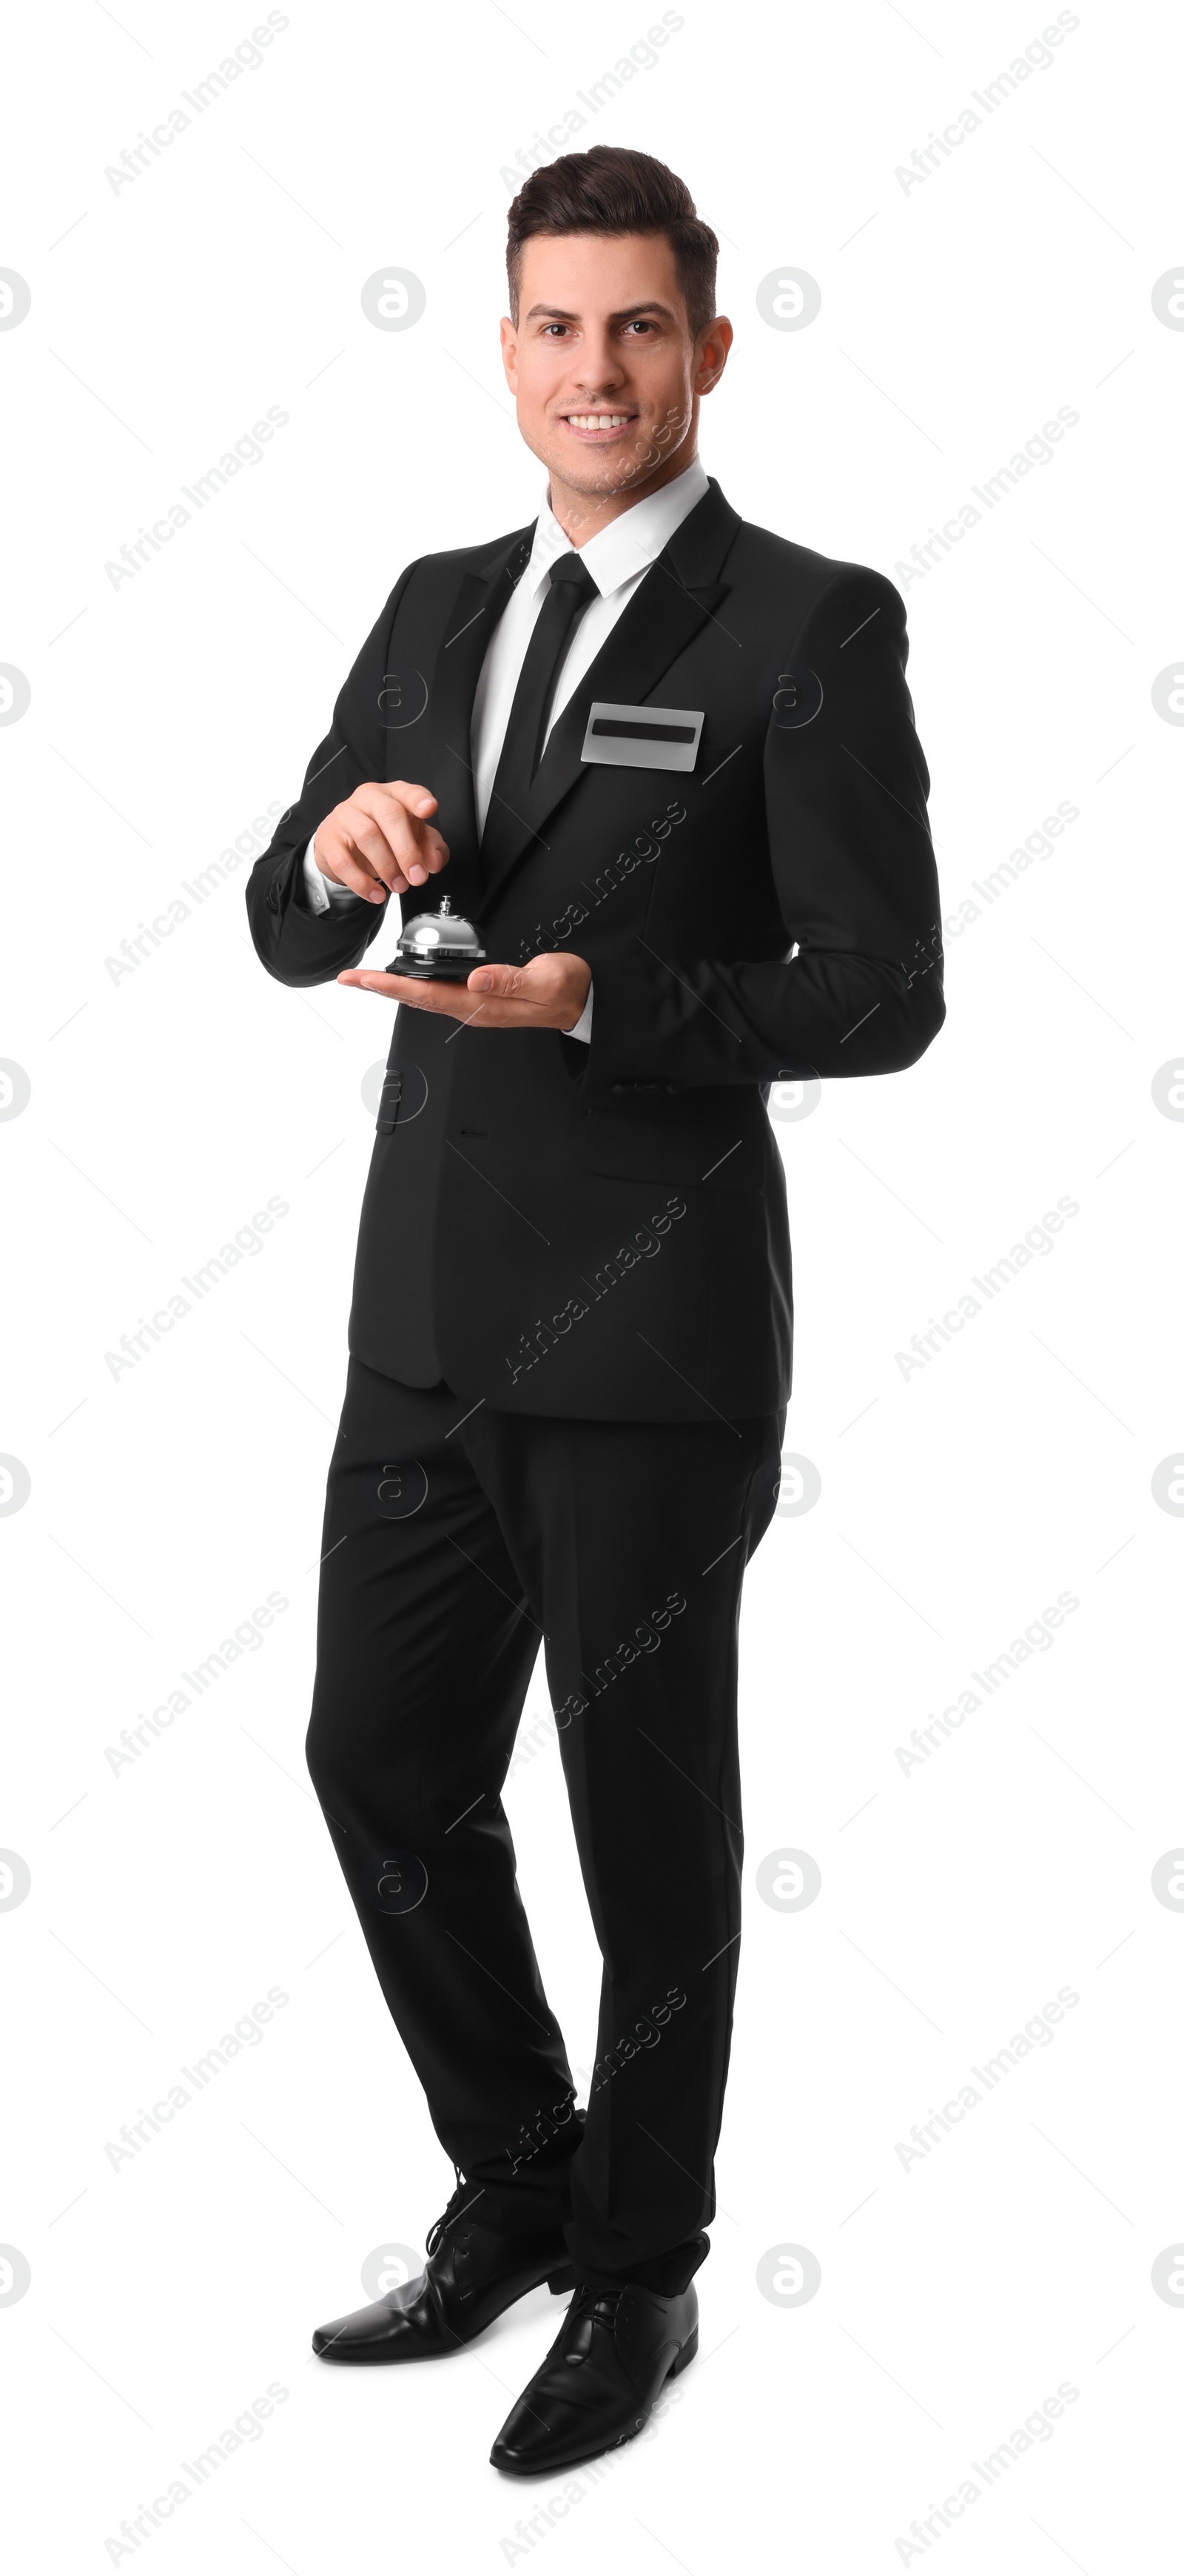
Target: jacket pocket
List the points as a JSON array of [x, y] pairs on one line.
[[718, 1140], [389, 1099]]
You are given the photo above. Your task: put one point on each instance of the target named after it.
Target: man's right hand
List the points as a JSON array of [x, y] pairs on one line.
[[380, 841]]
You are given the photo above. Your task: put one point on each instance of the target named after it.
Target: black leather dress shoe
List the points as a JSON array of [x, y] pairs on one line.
[[600, 2379], [474, 2272]]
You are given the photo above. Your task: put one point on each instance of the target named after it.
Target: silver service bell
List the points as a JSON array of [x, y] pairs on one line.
[[438, 946]]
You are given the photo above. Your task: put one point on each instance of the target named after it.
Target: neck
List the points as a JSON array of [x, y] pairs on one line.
[[582, 515]]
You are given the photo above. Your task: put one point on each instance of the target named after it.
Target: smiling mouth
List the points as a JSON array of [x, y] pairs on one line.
[[598, 424]]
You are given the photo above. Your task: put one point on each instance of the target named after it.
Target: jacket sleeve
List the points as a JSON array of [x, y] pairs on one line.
[[856, 884], [297, 945]]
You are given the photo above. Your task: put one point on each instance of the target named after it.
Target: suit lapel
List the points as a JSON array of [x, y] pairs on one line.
[[680, 592], [479, 601]]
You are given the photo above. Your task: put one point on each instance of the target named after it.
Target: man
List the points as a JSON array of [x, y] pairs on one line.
[[668, 763]]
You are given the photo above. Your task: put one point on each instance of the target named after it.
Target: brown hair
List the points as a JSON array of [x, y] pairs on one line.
[[608, 190]]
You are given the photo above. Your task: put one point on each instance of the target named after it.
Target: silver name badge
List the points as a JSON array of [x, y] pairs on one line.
[[642, 737]]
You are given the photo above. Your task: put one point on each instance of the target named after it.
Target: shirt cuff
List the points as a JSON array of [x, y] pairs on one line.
[[583, 1026], [322, 893]]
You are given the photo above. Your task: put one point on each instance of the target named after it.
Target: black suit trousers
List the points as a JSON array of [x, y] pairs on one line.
[[453, 1547]]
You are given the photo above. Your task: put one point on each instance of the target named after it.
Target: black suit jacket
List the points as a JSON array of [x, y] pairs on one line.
[[601, 1230]]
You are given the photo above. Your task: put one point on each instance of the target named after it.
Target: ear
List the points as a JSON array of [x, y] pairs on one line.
[[713, 356]]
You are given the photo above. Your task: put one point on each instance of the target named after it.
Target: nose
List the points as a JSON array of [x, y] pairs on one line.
[[599, 366]]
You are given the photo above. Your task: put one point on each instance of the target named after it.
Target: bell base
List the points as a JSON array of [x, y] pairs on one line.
[[434, 974]]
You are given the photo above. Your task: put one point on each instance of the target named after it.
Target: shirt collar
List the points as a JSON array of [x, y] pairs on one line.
[[628, 545]]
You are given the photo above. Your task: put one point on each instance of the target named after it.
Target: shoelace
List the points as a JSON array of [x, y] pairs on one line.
[[464, 2198], [587, 2295], [590, 2307]]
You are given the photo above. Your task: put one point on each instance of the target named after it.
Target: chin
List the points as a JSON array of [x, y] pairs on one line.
[[597, 470]]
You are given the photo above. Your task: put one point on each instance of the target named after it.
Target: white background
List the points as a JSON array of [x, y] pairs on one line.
[[957, 1897]]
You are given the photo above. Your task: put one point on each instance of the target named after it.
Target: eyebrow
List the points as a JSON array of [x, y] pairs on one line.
[[556, 313]]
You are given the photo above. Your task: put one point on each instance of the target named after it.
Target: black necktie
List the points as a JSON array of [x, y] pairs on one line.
[[571, 589]]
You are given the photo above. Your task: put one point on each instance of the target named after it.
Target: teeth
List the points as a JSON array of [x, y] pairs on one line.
[[598, 419]]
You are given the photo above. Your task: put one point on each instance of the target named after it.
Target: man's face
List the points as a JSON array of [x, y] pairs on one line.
[[606, 375]]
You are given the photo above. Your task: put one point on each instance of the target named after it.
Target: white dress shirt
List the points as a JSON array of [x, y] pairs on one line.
[[618, 560]]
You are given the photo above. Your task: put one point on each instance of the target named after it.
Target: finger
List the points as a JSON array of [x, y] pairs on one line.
[[351, 865], [419, 800], [401, 812], [548, 992], [451, 999], [350, 869], [383, 837], [394, 841], [504, 982], [368, 980]]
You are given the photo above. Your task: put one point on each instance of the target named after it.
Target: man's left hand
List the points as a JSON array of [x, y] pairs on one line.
[[548, 993]]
